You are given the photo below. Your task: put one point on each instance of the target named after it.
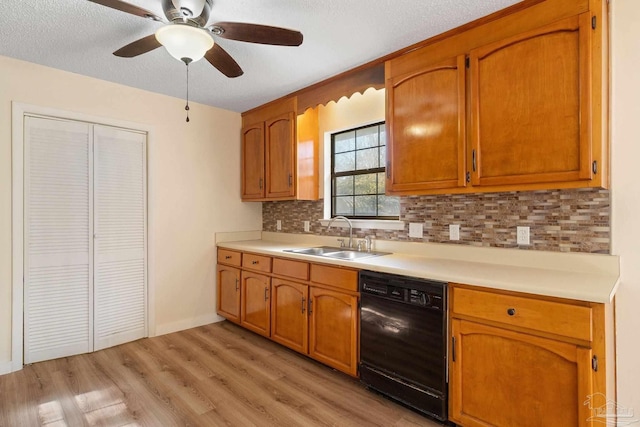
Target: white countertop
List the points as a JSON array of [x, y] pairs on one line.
[[586, 277]]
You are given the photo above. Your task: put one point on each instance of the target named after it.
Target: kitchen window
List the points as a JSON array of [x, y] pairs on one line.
[[358, 159]]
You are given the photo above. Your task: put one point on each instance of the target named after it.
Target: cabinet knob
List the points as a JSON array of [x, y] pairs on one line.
[[511, 311]]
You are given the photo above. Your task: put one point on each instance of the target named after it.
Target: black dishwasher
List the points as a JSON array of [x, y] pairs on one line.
[[403, 352]]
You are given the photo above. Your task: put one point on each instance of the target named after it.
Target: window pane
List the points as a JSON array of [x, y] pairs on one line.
[[366, 184], [345, 142], [388, 206], [383, 157], [367, 159], [344, 185], [383, 135], [345, 162], [343, 206], [381, 182], [365, 205], [367, 137]]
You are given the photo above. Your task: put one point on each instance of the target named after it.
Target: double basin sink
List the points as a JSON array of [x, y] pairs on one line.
[[336, 253]]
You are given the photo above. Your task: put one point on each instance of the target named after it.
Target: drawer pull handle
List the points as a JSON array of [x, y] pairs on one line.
[[511, 311], [227, 257], [254, 262]]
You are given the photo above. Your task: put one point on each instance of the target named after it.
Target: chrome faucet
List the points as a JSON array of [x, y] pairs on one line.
[[350, 227]]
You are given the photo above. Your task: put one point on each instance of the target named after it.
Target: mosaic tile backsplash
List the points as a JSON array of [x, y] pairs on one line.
[[560, 220]]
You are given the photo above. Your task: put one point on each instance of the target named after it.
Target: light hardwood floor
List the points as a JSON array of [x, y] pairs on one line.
[[214, 375]]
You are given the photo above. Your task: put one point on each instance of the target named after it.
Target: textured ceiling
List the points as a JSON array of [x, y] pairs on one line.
[[80, 36]]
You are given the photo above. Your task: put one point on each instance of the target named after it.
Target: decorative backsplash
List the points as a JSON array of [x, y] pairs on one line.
[[560, 220]]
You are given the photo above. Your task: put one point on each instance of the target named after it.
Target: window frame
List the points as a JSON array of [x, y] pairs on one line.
[[357, 172]]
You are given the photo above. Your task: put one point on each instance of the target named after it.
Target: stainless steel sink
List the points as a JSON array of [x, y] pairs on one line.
[[320, 250], [336, 253]]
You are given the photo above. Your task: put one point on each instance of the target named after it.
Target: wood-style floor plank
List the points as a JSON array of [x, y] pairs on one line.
[[214, 375]]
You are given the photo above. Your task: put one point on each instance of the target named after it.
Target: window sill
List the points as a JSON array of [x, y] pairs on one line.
[[377, 224]]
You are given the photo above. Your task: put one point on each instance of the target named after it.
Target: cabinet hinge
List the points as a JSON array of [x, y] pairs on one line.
[[468, 176], [594, 363], [388, 170], [594, 167], [466, 62], [593, 22]]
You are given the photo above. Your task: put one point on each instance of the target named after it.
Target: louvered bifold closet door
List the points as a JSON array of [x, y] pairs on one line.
[[57, 267], [120, 236]]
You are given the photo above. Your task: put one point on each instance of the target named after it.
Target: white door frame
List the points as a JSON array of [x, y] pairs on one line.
[[18, 111]]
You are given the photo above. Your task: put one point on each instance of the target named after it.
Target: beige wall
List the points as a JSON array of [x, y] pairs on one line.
[[194, 184], [625, 143], [358, 110]]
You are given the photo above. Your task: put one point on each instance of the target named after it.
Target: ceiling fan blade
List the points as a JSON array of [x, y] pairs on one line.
[[128, 8], [219, 58], [138, 47], [254, 33]]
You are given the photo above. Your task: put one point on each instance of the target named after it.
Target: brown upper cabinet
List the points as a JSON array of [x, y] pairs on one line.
[[426, 123], [517, 103], [517, 100], [530, 106], [270, 166]]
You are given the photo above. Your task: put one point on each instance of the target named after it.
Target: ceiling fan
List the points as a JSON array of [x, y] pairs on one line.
[[187, 35]]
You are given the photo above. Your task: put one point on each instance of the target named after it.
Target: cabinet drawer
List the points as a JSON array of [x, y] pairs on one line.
[[335, 277], [229, 257], [290, 268], [256, 262], [559, 318]]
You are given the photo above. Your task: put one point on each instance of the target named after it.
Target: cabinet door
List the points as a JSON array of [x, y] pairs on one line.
[[280, 156], [333, 329], [426, 122], [253, 185], [531, 106], [255, 312], [505, 378], [289, 324], [229, 293]]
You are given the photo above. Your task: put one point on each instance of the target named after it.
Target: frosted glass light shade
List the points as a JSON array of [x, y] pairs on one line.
[[184, 41]]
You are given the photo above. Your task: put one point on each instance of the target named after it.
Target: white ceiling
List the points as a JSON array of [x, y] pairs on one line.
[[80, 36]]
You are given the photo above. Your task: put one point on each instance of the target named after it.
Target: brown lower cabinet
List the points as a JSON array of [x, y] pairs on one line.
[[254, 302], [310, 308], [289, 324], [520, 360], [229, 292], [333, 329]]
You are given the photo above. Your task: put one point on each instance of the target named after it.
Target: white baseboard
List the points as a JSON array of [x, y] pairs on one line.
[[181, 325], [6, 368]]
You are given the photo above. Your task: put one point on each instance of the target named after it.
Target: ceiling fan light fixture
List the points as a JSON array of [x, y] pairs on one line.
[[184, 41]]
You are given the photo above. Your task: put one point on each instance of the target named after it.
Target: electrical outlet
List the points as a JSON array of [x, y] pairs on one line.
[[454, 231], [306, 226], [278, 225], [523, 235], [416, 230]]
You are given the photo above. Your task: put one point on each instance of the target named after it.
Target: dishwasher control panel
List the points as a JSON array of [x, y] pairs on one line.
[[423, 293]]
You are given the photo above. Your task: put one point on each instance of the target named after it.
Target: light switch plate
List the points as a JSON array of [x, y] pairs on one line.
[[416, 230], [306, 226], [454, 231], [278, 225]]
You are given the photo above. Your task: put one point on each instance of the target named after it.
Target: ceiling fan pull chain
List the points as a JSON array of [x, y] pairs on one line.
[[187, 106]]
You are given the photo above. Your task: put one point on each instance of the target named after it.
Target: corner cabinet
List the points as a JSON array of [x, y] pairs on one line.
[[426, 123], [270, 164], [495, 108], [522, 360]]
